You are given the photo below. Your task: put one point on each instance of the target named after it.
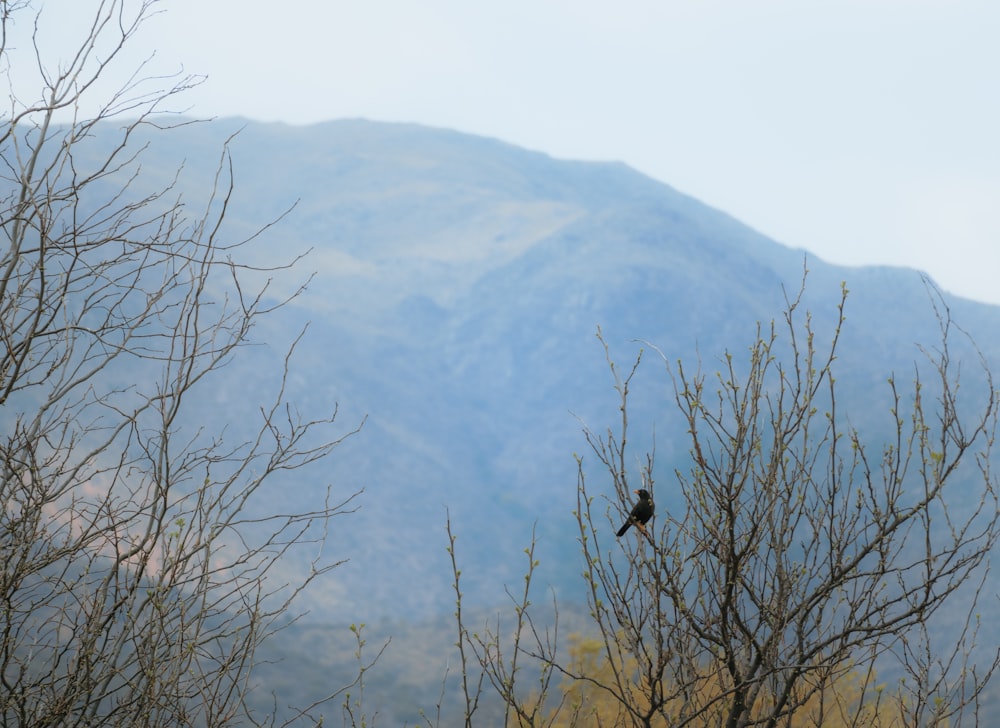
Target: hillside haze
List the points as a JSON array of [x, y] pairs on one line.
[[459, 283], [453, 289]]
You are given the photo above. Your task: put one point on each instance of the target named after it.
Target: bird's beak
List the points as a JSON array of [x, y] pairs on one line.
[[636, 492]]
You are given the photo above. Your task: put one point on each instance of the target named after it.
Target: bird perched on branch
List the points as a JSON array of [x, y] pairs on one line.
[[642, 511]]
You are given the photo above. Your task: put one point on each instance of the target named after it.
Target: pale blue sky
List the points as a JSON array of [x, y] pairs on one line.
[[866, 131]]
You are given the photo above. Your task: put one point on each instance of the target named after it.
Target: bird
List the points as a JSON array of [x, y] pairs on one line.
[[642, 511]]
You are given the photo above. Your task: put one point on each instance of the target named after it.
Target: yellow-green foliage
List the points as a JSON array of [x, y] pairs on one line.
[[600, 695]]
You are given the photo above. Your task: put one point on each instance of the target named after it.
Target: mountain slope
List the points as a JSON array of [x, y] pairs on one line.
[[459, 284]]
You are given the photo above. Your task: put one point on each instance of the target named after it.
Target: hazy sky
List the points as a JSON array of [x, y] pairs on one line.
[[866, 131]]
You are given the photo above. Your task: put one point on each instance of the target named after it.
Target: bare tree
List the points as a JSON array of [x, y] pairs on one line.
[[517, 659], [796, 559], [795, 574], [139, 570]]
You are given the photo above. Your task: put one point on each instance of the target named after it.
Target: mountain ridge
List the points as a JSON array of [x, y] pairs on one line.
[[446, 290], [459, 282]]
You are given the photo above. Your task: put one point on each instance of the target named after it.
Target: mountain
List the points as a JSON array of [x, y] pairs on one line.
[[459, 282]]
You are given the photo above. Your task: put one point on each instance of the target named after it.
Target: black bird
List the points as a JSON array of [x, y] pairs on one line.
[[642, 511]]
